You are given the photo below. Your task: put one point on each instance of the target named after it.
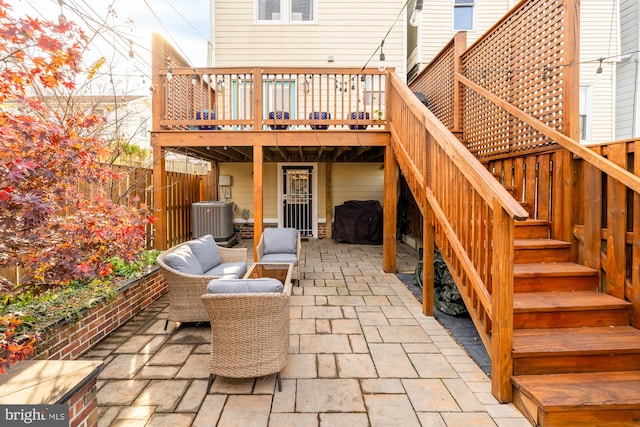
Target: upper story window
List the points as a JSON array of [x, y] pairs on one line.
[[285, 11], [463, 15]]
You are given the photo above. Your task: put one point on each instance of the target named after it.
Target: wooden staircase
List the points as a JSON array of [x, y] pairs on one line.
[[576, 360]]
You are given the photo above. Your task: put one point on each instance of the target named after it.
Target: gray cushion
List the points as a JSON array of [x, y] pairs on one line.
[[242, 286], [292, 258], [184, 261], [206, 251], [228, 270], [280, 240]]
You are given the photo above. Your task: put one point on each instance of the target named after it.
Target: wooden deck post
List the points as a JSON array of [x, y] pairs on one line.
[[257, 99], [459, 47], [257, 197], [502, 305], [592, 217], [390, 211], [329, 200], [158, 96], [159, 199], [570, 116], [428, 246]]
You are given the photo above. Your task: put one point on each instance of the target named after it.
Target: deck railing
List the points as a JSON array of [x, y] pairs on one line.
[[514, 95], [271, 99], [468, 214]]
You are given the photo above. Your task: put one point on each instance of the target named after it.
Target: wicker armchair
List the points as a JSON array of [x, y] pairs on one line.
[[185, 304], [249, 333], [265, 255]]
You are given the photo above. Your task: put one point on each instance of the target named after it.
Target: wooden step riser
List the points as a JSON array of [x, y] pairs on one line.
[[581, 417], [558, 284], [588, 417], [523, 256], [531, 232], [571, 319], [570, 363]]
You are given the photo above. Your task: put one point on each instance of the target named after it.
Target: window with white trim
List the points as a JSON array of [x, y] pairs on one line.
[[585, 113], [463, 15], [285, 11]]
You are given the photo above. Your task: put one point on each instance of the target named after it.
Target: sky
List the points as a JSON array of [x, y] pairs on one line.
[[183, 23]]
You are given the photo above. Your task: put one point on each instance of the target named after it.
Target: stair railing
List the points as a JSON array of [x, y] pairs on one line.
[[468, 214]]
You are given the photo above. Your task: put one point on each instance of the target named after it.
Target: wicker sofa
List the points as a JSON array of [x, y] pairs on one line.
[[189, 267], [249, 328], [281, 245]]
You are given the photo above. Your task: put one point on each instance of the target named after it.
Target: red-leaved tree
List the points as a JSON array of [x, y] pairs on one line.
[[50, 228]]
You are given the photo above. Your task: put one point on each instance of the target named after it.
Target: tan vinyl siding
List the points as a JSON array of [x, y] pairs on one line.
[[242, 188], [599, 39], [357, 181], [437, 24], [348, 31]]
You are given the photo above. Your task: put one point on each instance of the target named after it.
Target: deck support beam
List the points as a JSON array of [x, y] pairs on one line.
[[428, 273], [390, 202]]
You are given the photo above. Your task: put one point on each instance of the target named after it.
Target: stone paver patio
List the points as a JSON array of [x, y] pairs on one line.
[[361, 354]]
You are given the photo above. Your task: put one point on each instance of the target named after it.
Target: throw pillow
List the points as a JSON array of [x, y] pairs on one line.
[[183, 260], [280, 240], [206, 251], [241, 286]]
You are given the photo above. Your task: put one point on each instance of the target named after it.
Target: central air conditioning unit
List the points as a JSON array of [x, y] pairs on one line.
[[215, 218]]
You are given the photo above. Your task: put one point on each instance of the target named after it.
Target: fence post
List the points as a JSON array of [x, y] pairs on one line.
[[502, 304]]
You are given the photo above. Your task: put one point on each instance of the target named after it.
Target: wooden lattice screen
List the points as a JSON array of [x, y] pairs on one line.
[[524, 61], [184, 90], [436, 83]]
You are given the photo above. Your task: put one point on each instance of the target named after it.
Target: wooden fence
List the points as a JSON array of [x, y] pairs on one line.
[[135, 186]]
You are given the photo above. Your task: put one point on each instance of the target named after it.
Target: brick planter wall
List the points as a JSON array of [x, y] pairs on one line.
[[83, 406], [68, 340]]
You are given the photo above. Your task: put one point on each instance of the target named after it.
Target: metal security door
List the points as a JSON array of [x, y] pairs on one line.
[[297, 198]]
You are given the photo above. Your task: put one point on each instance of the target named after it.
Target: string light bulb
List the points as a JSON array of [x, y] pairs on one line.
[[382, 64], [416, 15], [599, 69], [169, 75]]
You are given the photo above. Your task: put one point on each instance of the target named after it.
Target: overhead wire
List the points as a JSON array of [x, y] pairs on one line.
[[177, 45]]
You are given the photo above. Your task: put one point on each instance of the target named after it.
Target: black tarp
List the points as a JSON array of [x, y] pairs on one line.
[[358, 221]]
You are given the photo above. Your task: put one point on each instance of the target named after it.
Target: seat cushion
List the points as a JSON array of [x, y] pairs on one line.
[[228, 270], [241, 286], [206, 251], [292, 258], [183, 260], [280, 240]]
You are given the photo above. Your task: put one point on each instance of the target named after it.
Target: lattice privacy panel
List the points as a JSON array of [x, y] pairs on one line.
[[523, 62]]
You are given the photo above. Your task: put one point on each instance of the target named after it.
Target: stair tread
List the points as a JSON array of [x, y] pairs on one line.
[[587, 340], [539, 243], [545, 269], [567, 301], [562, 391], [529, 222]]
